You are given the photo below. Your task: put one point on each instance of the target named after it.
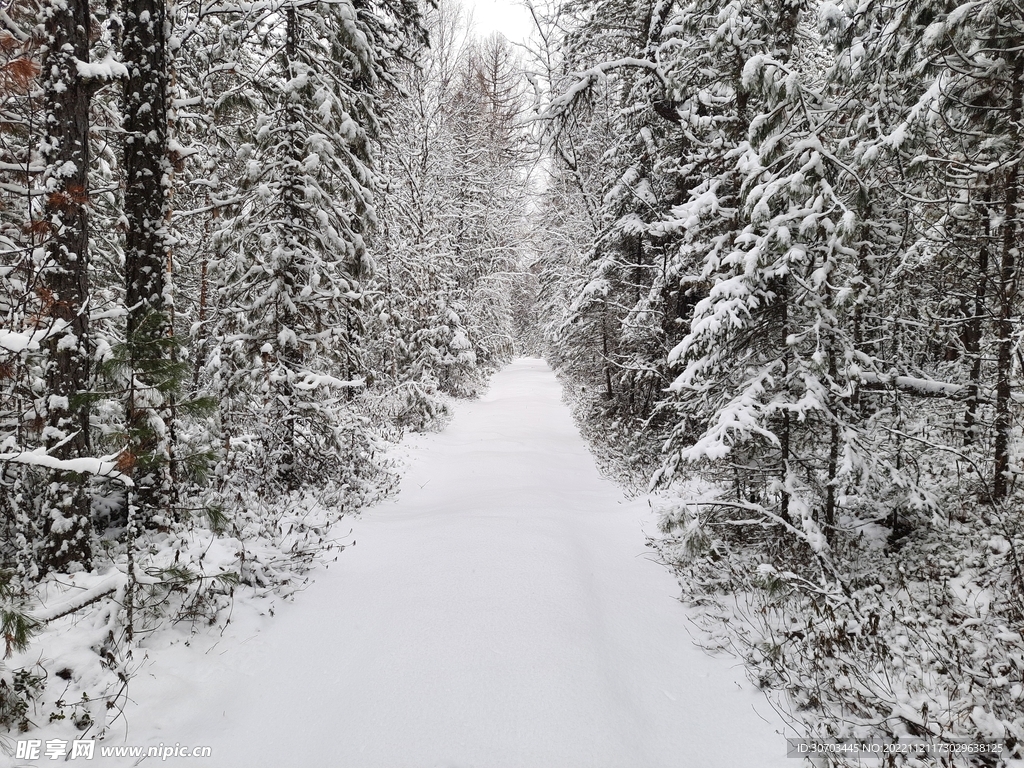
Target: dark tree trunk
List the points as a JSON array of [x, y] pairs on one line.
[[785, 433], [147, 171], [609, 392], [291, 198], [1004, 338], [65, 522], [146, 164]]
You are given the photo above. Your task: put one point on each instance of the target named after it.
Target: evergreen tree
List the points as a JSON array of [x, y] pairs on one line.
[[65, 523], [290, 303], [148, 170]]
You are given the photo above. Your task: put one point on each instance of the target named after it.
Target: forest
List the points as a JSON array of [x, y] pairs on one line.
[[771, 248]]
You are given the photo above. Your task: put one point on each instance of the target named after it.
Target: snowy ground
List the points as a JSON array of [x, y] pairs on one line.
[[502, 611]]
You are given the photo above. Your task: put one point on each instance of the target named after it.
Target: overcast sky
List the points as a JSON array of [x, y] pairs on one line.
[[509, 17]]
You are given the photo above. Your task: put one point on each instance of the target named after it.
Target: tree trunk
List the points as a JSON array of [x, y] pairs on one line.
[[287, 268], [66, 523], [147, 170], [1007, 302], [785, 433], [146, 164], [973, 331]]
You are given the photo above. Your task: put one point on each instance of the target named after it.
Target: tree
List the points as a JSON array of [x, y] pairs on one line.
[[452, 217], [288, 352], [66, 527], [150, 368]]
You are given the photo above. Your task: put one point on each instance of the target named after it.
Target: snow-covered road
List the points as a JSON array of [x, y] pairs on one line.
[[503, 611]]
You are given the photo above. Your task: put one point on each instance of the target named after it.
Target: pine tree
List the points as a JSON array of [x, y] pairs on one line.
[[288, 353], [150, 369], [66, 527]]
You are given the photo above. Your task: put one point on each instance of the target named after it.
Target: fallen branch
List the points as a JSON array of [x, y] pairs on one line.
[[85, 598]]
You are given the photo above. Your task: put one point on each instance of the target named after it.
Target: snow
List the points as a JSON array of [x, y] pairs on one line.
[[312, 380], [13, 341], [106, 69], [501, 611], [102, 467], [16, 342], [913, 383], [109, 583]]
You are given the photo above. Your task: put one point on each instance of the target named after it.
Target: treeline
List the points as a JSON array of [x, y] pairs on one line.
[[241, 246], [783, 274]]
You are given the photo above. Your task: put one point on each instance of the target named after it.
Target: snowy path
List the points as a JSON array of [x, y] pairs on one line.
[[501, 612]]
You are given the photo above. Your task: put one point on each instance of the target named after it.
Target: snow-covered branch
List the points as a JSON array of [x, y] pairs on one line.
[[103, 467], [912, 384]]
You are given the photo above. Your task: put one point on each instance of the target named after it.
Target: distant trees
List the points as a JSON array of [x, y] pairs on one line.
[[453, 214]]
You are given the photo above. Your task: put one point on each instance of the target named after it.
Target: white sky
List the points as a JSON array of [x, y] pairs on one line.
[[509, 17]]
